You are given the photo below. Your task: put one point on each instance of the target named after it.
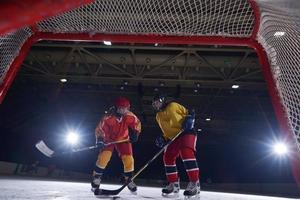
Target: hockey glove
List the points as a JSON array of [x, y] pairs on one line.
[[133, 135], [99, 143], [160, 141], [189, 122]]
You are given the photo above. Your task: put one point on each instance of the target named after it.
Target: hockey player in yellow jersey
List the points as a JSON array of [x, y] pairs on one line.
[[173, 117]]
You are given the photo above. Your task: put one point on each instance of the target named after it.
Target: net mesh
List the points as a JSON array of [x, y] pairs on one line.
[[279, 34], [233, 18], [10, 45], [163, 17]]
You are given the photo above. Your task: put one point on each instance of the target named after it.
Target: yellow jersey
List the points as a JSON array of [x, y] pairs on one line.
[[170, 119]]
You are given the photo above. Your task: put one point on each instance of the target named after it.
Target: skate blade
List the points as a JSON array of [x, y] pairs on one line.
[[171, 195], [195, 197], [93, 189]]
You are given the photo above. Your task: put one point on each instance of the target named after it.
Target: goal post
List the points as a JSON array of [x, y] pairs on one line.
[[258, 24]]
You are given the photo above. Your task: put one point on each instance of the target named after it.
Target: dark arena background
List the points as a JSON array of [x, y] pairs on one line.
[[235, 62]]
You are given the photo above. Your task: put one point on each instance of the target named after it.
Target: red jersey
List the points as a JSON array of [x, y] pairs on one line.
[[112, 128]]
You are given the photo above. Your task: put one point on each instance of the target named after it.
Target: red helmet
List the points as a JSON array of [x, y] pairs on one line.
[[122, 102]]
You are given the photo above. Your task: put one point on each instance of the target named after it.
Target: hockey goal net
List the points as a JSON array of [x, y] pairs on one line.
[[272, 29]]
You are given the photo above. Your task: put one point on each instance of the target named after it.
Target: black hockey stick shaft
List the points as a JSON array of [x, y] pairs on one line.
[[98, 145], [93, 147], [117, 191]]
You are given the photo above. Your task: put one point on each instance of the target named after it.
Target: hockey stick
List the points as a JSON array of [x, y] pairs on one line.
[[43, 148], [99, 191]]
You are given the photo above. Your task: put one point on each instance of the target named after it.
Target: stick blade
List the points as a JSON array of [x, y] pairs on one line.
[[104, 192], [43, 148]]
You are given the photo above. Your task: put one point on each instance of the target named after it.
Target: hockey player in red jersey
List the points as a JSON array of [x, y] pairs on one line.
[[172, 118], [119, 124]]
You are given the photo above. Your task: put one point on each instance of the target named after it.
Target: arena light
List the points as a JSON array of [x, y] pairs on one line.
[[63, 80], [198, 85], [108, 43], [279, 33], [125, 82], [280, 148], [162, 84], [235, 86], [208, 119], [72, 138]]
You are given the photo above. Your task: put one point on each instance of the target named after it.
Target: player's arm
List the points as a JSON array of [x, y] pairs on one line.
[[101, 129], [134, 127], [183, 116]]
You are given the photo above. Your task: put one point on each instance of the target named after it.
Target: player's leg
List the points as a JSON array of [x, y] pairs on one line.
[[187, 153], [169, 158], [125, 153], [101, 163]]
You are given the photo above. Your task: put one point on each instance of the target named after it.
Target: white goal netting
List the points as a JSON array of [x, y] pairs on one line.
[[279, 34], [10, 45], [231, 18], [163, 17]]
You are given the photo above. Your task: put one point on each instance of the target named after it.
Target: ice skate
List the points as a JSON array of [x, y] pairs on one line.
[[192, 191], [96, 182], [132, 187], [171, 190]]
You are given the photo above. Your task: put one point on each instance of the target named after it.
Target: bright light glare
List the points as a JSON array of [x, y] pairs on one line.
[[235, 86], [107, 43], [280, 148], [72, 138], [279, 33], [63, 80]]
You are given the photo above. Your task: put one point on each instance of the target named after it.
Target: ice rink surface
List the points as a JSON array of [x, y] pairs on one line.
[[22, 189]]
